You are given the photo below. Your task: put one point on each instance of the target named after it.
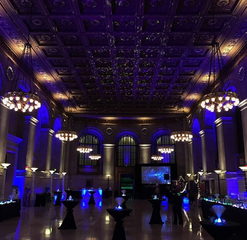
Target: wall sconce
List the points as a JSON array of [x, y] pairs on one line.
[[34, 169], [52, 171], [188, 175], [5, 165], [243, 168], [63, 173]]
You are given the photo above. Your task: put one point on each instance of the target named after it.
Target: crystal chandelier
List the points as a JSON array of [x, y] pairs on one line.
[[94, 156], [84, 149], [157, 157], [66, 135], [182, 136], [23, 100], [165, 149]]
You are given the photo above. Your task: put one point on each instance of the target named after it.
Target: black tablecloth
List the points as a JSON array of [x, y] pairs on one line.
[[58, 195], [69, 221], [231, 214], [220, 232], [40, 200], [119, 215], [10, 210], [156, 218]]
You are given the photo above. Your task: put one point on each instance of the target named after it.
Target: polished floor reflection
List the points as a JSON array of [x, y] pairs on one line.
[[94, 223]]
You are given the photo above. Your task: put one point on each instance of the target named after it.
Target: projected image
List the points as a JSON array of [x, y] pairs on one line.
[[154, 174]]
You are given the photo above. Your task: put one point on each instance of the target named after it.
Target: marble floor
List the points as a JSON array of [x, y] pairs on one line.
[[94, 223]]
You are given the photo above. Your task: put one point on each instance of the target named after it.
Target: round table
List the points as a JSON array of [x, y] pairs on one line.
[[91, 200]]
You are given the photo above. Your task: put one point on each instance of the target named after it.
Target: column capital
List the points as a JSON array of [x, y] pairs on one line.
[[32, 120], [48, 130], [143, 145], [243, 105], [109, 145], [222, 120]]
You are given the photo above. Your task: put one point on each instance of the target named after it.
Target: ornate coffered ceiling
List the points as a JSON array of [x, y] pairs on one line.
[[125, 58]]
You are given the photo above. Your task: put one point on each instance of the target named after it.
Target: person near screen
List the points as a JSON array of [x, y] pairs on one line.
[[176, 200]]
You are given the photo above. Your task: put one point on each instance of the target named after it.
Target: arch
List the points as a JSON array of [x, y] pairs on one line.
[[196, 128], [159, 132], [93, 131], [126, 149], [209, 118], [23, 86], [1, 76], [44, 114], [231, 85], [129, 133], [57, 124]]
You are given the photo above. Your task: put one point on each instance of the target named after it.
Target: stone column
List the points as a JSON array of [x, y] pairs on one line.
[[108, 164], [27, 145], [243, 109], [209, 151], [62, 167], [4, 128], [190, 160], [45, 149], [197, 153], [145, 153], [226, 143]]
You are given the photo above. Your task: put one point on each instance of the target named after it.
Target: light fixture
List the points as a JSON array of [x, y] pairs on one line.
[[84, 149], [66, 135], [188, 175], [63, 173], [243, 168], [217, 171], [181, 136], [218, 100], [5, 165], [94, 156], [201, 172], [34, 169], [52, 171], [165, 149], [23, 98], [157, 157]]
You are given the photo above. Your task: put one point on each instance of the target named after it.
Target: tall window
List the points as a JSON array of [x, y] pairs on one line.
[[164, 140], [126, 151], [92, 141]]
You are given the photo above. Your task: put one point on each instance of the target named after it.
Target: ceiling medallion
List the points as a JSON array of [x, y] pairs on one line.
[[91, 3], [58, 3], [156, 3], [37, 22], [222, 3], [26, 3], [123, 3], [189, 3]]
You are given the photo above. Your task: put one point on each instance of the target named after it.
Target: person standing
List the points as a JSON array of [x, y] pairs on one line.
[[176, 200]]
